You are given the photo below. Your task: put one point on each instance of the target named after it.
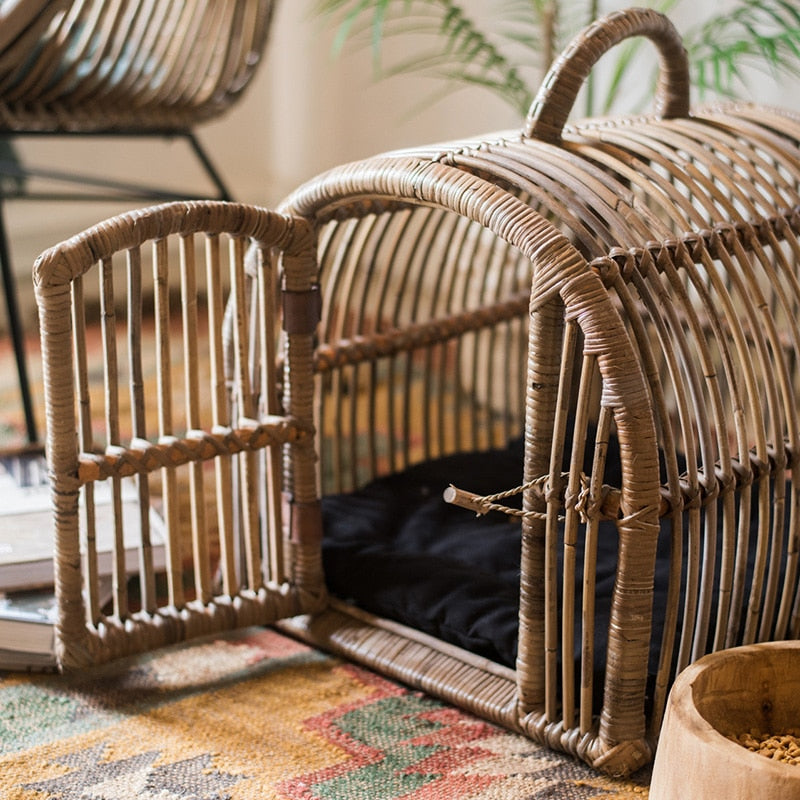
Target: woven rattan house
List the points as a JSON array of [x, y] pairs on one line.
[[584, 337]]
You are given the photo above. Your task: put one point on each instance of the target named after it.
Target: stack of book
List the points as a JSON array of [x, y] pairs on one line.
[[28, 608]]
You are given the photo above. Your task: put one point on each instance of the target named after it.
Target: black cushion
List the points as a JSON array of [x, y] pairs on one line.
[[396, 549]]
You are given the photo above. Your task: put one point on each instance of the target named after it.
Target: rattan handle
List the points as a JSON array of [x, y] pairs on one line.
[[556, 97]]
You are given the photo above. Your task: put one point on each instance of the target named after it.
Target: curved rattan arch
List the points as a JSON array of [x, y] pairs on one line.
[[561, 286]]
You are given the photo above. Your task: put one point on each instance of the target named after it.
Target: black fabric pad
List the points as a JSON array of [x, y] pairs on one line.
[[396, 549]]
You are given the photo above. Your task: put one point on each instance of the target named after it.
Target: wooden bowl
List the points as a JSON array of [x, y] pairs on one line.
[[756, 687]]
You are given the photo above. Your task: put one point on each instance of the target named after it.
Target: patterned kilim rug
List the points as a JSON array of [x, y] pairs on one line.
[[256, 715]]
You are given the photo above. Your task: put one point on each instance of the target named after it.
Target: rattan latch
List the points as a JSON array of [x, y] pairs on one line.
[[483, 504]]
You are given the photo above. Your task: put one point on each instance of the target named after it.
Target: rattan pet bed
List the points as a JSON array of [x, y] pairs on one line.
[[590, 331]]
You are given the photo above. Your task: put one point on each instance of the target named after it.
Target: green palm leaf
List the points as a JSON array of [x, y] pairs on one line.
[[459, 49], [504, 55], [758, 32]]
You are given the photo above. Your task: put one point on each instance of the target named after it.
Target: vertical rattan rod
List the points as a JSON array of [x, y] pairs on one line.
[[349, 424], [328, 472], [783, 624], [674, 349], [57, 311], [400, 296], [586, 719], [112, 412], [544, 356], [268, 333], [753, 613], [435, 390], [370, 373], [473, 340], [736, 612], [787, 261], [169, 479], [483, 355], [197, 495], [502, 372], [147, 580], [428, 270], [354, 268], [656, 381], [299, 273], [496, 365], [400, 302], [247, 460], [335, 408], [449, 412], [86, 439], [220, 415], [566, 612], [324, 465], [383, 292], [572, 520], [86, 444], [502, 365]]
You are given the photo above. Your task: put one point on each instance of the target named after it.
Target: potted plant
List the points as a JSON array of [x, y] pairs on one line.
[[508, 50]]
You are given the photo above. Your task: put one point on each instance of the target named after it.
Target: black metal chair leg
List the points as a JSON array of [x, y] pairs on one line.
[[211, 171], [106, 190], [16, 331]]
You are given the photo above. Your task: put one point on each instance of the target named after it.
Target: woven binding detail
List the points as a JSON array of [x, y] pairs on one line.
[[411, 337], [144, 457]]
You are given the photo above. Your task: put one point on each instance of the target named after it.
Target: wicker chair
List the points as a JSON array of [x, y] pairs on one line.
[[122, 69], [624, 294]]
